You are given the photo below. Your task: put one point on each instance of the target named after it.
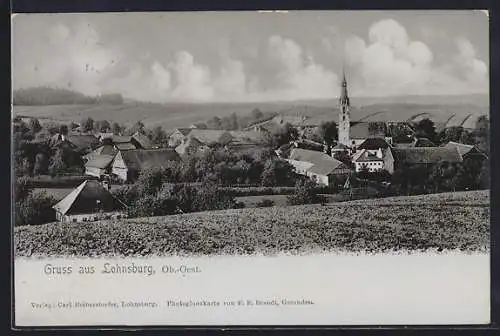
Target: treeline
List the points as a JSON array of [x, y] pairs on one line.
[[235, 122], [60, 96]]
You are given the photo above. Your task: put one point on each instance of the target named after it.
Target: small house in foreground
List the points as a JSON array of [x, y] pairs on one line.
[[90, 201]]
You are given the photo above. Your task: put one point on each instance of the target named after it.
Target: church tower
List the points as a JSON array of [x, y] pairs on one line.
[[344, 120]]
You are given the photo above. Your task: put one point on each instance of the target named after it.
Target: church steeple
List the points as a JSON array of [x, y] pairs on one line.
[[344, 120]]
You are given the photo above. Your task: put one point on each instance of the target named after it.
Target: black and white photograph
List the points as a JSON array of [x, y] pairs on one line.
[[240, 168]]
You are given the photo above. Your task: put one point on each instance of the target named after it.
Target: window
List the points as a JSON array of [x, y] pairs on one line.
[[74, 220]]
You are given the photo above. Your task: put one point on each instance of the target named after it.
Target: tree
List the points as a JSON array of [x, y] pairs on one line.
[[102, 126], [41, 164], [137, 127], [63, 129], [150, 181], [21, 188], [328, 132], [277, 173], [305, 193], [214, 123], [158, 135], [57, 165], [116, 128], [283, 135], [34, 126], [482, 134], [35, 209], [256, 114], [425, 128], [87, 124], [377, 128]]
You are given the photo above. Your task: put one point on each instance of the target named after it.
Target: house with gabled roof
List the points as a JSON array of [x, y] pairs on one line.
[[425, 156], [319, 166], [466, 151], [128, 164], [142, 141], [178, 135], [99, 165], [90, 201], [189, 146], [373, 160]]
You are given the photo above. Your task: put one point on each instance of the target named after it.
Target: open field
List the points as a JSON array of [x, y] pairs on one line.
[[442, 110], [449, 221]]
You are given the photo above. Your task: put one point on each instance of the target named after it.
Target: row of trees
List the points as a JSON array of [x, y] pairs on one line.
[[59, 96]]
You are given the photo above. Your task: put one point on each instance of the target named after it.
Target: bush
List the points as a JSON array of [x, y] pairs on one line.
[[35, 209], [265, 203], [305, 193]]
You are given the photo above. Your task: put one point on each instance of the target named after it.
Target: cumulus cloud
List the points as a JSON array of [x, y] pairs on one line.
[[299, 76], [390, 62]]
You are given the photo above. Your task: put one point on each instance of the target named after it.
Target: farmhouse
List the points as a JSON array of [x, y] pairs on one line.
[[212, 137], [83, 142], [424, 156], [241, 140], [90, 201], [374, 160], [190, 145], [102, 150], [99, 165], [140, 140], [320, 167], [128, 164], [466, 151], [178, 135]]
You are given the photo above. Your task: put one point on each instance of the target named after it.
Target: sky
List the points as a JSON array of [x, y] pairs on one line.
[[252, 56]]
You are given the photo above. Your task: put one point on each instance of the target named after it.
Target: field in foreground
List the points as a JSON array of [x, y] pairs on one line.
[[449, 221]]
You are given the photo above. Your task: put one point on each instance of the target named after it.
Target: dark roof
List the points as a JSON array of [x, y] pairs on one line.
[[88, 197], [106, 150], [340, 146], [423, 142], [209, 137], [463, 149], [125, 146], [121, 138], [322, 163], [143, 140], [373, 143], [83, 141], [426, 155], [144, 158], [247, 137], [100, 161]]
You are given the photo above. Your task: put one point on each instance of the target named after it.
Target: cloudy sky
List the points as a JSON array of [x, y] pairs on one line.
[[249, 56]]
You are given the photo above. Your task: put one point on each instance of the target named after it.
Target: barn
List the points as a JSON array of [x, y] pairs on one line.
[[128, 164]]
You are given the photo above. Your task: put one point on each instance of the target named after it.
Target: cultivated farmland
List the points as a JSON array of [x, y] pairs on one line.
[[450, 221]]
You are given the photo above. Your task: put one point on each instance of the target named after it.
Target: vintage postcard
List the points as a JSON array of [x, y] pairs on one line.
[[249, 168]]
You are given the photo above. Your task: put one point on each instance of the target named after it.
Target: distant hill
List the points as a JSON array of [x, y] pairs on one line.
[[65, 105], [42, 96]]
